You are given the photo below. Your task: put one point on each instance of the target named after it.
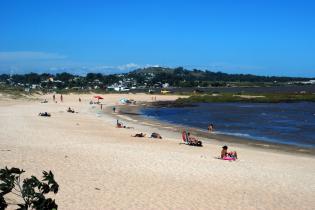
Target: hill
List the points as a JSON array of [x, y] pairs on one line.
[[183, 77]]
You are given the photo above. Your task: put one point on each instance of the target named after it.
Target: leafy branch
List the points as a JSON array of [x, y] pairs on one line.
[[32, 191]]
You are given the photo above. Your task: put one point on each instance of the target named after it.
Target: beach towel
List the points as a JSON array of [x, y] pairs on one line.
[[228, 158]]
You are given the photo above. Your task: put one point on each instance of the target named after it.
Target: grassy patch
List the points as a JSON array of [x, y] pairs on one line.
[[264, 98], [12, 92]]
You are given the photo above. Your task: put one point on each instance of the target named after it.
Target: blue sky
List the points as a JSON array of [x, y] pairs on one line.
[[261, 37]]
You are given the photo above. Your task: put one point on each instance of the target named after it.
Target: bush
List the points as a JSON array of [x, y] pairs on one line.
[[32, 191]]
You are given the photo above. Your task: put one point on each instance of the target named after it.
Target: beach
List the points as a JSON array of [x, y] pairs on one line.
[[99, 166]]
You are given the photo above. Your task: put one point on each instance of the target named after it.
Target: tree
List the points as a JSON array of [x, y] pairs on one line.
[[32, 191], [32, 78], [64, 77]]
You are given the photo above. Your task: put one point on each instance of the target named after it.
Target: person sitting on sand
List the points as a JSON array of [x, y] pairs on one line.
[[225, 153], [156, 135], [70, 110], [139, 135], [119, 124]]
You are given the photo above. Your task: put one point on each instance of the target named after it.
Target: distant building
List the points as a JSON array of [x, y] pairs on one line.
[[165, 85], [309, 82]]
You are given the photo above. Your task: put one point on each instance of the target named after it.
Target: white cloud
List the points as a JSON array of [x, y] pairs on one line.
[[150, 65], [29, 56], [128, 66], [40, 62]]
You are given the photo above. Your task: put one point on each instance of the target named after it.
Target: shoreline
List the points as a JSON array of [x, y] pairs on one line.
[[133, 113]]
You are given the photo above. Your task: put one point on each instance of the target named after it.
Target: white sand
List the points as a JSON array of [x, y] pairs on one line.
[[99, 166]]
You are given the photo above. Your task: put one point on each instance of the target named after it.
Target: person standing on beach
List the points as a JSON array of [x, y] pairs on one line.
[[54, 97], [79, 99], [210, 127], [61, 98], [114, 109]]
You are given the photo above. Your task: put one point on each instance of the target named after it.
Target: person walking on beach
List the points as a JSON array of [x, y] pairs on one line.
[[114, 109], [61, 98], [79, 99], [54, 97]]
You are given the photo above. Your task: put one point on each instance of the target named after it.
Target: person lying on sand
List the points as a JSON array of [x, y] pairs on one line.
[[139, 135], [120, 125], [156, 135], [44, 114], [45, 101], [226, 154], [70, 110]]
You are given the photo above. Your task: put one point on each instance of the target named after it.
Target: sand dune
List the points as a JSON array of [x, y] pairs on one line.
[[99, 166]]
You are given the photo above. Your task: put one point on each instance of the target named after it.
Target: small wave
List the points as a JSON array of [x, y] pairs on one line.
[[233, 134]]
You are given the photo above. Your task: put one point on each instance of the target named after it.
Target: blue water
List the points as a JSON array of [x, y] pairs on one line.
[[285, 123]]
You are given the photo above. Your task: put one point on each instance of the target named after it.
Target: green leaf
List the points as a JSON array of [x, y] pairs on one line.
[[3, 204]]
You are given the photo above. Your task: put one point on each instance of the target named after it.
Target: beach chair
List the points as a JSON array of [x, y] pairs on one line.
[[190, 142]]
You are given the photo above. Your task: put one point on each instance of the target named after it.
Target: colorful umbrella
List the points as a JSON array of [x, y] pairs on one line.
[[98, 97]]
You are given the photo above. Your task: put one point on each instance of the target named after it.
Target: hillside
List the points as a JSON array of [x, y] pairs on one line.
[[183, 77]]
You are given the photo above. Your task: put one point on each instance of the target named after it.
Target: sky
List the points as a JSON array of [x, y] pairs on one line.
[[262, 37]]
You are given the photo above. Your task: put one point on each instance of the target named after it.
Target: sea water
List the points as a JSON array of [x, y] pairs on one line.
[[284, 123]]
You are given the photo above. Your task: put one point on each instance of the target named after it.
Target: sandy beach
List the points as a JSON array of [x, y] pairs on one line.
[[99, 166]]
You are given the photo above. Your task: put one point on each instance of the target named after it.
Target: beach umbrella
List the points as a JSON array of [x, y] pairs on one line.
[[123, 100], [98, 97]]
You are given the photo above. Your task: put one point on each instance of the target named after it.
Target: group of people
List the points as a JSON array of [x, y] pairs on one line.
[[225, 155], [61, 98], [189, 139], [153, 135]]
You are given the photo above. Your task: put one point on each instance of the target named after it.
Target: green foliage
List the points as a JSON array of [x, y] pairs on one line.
[[13, 92], [263, 98], [146, 77], [32, 191]]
